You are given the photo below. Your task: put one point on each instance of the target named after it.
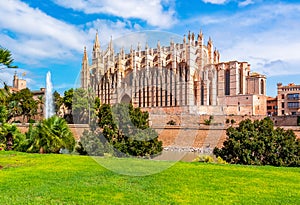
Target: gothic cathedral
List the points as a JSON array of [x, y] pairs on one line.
[[181, 77]]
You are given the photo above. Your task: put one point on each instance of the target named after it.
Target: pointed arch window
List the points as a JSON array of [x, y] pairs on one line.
[[262, 87], [227, 82]]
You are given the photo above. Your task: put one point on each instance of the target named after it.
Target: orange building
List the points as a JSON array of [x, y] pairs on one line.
[[288, 99], [272, 106]]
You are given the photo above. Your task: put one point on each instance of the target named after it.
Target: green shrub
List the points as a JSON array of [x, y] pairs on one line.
[[221, 161], [31, 121], [204, 158], [3, 114], [94, 144], [18, 138], [126, 128], [2, 146], [258, 143], [207, 122], [50, 136]]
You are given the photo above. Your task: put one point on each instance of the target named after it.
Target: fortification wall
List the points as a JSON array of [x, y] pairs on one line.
[[288, 120], [190, 131]]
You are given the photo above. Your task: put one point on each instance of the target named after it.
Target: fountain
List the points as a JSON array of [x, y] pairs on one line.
[[49, 106]]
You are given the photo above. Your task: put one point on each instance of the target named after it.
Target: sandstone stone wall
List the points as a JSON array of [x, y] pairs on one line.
[[288, 120], [76, 129], [190, 130]]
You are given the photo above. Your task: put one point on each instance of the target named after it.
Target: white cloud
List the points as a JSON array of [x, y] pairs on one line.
[[245, 3], [30, 32], [266, 36], [33, 36], [155, 12], [215, 1], [240, 3]]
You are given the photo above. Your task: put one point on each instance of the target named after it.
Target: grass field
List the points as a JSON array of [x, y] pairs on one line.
[[71, 179]]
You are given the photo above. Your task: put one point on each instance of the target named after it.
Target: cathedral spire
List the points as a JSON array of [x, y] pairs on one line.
[[96, 43], [85, 57], [209, 41], [200, 38], [110, 43], [201, 34], [146, 46]]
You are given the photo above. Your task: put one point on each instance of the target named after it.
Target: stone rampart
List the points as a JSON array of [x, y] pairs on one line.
[[189, 130]]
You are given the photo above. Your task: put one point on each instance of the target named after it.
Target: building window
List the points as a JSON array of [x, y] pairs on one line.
[[282, 104], [227, 82], [262, 87], [202, 94], [282, 96], [294, 96], [282, 112], [239, 82], [293, 104]]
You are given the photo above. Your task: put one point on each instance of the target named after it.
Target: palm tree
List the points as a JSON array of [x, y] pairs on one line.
[[14, 109], [3, 114], [6, 59], [51, 135], [4, 95], [7, 129]]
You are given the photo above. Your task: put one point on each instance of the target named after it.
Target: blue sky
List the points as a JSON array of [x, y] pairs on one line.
[[50, 35]]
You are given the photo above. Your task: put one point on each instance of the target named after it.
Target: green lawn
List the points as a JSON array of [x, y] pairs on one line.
[[71, 179]]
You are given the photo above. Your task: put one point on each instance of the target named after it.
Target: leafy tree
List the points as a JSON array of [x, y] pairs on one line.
[[58, 101], [6, 59], [127, 129], [93, 143], [258, 143], [26, 102], [80, 106], [83, 107], [68, 98], [68, 101], [50, 135]]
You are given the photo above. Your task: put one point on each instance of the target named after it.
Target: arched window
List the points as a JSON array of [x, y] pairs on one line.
[[202, 94], [168, 57], [227, 82], [262, 87], [241, 82]]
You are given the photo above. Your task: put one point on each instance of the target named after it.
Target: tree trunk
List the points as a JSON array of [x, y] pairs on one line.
[[41, 150]]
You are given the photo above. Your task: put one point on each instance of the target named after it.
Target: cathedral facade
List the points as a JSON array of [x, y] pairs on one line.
[[184, 76]]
